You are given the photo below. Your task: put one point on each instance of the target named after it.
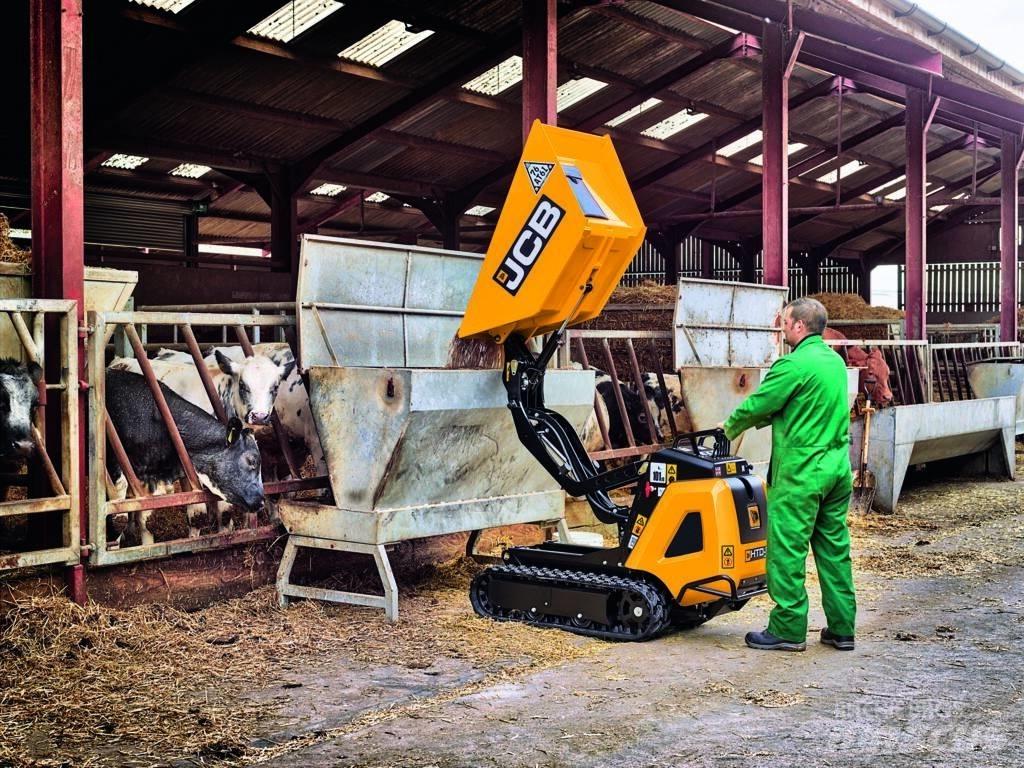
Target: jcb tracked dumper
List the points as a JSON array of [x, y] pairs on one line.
[[693, 542]]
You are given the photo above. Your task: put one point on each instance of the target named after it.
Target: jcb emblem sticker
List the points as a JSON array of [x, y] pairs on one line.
[[730, 468], [638, 526], [728, 556], [756, 553], [528, 245], [754, 516], [538, 173]]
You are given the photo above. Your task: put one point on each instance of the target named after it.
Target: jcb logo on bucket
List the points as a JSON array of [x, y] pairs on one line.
[[528, 245]]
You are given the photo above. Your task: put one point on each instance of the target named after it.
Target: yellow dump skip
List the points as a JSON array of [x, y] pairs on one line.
[[569, 220]]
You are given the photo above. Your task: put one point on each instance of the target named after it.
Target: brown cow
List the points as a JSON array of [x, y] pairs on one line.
[[874, 371]]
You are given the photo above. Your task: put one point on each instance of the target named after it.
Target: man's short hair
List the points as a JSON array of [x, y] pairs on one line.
[[809, 311]]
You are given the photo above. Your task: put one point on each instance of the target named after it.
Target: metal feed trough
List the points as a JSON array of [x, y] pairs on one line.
[[413, 449], [1001, 377]]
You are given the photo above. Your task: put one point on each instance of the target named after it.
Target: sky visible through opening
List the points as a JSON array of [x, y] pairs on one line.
[[996, 25]]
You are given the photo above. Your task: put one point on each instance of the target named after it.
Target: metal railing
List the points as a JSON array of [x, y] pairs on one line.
[[909, 362], [132, 327], [950, 366], [27, 318]]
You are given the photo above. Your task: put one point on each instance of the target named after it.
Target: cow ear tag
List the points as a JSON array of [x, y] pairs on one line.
[[235, 430]]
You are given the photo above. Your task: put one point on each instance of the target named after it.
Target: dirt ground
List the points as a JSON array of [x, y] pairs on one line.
[[937, 677]]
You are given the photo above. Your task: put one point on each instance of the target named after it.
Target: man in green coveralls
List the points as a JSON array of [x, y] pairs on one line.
[[803, 398]]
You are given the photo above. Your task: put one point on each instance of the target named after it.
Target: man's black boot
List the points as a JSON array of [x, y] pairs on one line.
[[766, 641], [842, 642]]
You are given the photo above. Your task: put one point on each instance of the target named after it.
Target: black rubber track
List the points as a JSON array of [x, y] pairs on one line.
[[624, 593]]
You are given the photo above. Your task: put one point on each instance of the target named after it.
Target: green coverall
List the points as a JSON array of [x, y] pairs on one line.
[[803, 397]]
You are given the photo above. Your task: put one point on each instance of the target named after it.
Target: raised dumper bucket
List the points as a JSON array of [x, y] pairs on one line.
[[569, 220]]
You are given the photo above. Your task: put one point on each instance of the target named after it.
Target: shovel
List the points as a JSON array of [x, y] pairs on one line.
[[863, 478]]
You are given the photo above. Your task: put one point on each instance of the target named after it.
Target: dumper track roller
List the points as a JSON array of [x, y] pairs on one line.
[[608, 606]]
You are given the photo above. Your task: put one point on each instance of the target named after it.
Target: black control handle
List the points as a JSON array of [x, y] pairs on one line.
[[694, 442]]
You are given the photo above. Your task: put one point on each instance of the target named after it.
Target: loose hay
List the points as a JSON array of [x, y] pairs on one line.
[[475, 353], [9, 252], [851, 306], [97, 686], [772, 699]]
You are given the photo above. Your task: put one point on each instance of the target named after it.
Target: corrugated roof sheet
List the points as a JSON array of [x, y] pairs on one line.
[[384, 44], [293, 18]]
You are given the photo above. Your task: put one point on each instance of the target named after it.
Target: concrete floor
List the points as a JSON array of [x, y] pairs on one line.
[[937, 677]]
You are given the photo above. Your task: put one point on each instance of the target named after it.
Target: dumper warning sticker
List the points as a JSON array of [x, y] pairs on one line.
[[728, 556], [658, 476], [538, 174]]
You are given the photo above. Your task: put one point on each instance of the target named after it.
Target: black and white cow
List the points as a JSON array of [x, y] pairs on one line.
[[19, 395], [246, 387], [644, 433], [226, 459]]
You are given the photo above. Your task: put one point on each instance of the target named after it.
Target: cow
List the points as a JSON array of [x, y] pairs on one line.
[[292, 403], [19, 395], [226, 459], [246, 387], [606, 402], [873, 378], [669, 403]]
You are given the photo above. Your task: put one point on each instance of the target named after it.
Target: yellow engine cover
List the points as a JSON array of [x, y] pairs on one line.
[[721, 553], [569, 220]]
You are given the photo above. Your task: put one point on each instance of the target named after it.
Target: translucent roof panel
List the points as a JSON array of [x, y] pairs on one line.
[[479, 210], [576, 91], [294, 18], [376, 197], [173, 6], [190, 170], [796, 146], [880, 187], [328, 190], [629, 114], [384, 43], [673, 124], [740, 144], [901, 193], [124, 162], [848, 169], [498, 78]]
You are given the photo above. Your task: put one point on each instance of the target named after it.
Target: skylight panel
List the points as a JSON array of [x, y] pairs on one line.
[[294, 18], [479, 210], [376, 197], [498, 78], [629, 114], [328, 190], [20, 234], [124, 162], [793, 148], [673, 124], [172, 6], [384, 44], [190, 170], [901, 193], [740, 144], [847, 169], [887, 184], [577, 90]]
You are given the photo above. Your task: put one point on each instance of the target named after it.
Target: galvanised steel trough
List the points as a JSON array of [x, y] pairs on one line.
[[413, 449], [1000, 377]]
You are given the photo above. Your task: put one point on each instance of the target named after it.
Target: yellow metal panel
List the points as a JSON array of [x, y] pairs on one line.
[[569, 221], [723, 553]]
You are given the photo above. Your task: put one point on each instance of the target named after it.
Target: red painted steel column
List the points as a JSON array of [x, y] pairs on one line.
[[540, 63], [775, 142], [917, 109], [1008, 223], [58, 229]]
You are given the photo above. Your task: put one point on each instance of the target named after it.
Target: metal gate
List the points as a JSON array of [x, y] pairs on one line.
[[128, 332], [23, 335]]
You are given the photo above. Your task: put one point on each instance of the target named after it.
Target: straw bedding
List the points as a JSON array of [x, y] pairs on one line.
[[98, 686], [9, 252]]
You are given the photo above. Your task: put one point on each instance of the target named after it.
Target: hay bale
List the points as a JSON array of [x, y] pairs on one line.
[[9, 252]]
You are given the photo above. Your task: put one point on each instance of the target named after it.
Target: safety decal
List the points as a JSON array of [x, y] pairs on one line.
[[538, 174], [728, 556], [638, 526], [754, 516], [632, 541], [658, 472], [756, 553], [718, 471], [529, 244], [670, 473]]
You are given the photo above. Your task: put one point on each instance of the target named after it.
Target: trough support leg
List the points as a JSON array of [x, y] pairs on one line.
[[286, 590]]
